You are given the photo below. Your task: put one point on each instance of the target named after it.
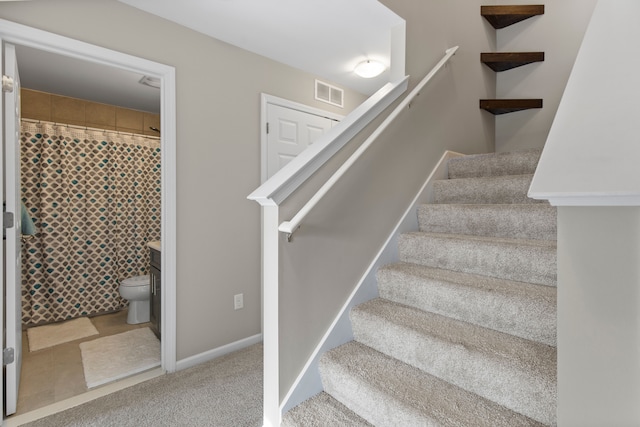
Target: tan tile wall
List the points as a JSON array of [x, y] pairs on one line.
[[48, 107]]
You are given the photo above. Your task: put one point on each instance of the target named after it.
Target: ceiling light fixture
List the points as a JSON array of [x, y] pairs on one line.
[[369, 68], [150, 81]]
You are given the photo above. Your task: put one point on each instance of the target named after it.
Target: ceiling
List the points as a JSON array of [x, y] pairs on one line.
[[53, 73], [324, 37]]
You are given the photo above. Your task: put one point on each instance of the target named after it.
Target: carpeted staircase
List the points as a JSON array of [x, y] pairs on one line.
[[464, 330]]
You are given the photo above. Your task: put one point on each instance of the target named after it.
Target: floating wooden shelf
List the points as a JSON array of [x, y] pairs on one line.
[[503, 106], [503, 16], [507, 60]]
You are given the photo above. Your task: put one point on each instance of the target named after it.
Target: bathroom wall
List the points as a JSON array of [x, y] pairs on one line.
[[49, 107]]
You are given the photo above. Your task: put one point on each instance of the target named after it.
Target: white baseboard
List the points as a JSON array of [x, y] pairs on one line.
[[217, 352], [308, 382]]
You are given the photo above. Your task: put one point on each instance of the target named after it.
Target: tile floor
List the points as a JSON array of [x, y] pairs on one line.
[[55, 373]]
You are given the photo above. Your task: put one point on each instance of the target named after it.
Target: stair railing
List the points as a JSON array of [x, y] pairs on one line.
[[292, 225], [282, 184]]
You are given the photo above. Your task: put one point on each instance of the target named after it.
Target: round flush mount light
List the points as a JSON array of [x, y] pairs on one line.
[[369, 68]]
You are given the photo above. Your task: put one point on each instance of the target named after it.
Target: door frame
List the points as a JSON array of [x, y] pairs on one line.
[[11, 113], [19, 34], [266, 99]]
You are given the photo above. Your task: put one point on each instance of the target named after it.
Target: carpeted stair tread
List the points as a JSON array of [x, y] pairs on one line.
[[388, 392], [464, 330], [494, 164], [513, 372], [521, 309], [322, 410], [519, 221], [521, 260], [486, 190]]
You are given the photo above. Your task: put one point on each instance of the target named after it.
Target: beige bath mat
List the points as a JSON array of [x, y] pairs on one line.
[[49, 335], [118, 356]]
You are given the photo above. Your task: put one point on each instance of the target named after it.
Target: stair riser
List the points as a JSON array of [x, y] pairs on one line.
[[516, 312], [532, 264], [482, 373], [493, 190], [529, 221], [520, 163]]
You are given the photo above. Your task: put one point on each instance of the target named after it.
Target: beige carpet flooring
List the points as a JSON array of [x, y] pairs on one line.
[[223, 392]]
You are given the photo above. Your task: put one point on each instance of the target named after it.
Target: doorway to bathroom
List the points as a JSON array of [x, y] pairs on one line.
[[93, 198], [14, 34]]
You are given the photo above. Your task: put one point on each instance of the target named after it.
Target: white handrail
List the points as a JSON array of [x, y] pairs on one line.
[[290, 226], [292, 175]]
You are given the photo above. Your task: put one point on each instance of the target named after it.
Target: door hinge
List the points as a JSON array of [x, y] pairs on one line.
[[8, 356], [7, 84], [7, 220], [267, 128]]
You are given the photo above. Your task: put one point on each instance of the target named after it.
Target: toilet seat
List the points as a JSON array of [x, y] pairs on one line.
[[135, 281]]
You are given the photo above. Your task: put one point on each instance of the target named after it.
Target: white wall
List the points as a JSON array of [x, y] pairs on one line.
[[558, 33], [218, 149]]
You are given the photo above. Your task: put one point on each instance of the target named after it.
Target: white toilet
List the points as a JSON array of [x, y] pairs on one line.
[[138, 292]]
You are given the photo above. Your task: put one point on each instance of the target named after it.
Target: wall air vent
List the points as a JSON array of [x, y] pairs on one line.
[[329, 94]]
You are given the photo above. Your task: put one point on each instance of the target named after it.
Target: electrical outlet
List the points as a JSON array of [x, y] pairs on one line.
[[238, 301]]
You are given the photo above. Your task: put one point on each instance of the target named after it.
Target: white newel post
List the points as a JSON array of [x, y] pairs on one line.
[[270, 289]]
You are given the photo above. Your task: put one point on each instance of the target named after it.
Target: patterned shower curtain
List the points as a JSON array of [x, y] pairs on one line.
[[94, 197]]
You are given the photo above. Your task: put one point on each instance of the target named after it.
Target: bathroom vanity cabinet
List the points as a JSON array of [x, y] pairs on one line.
[[156, 291]]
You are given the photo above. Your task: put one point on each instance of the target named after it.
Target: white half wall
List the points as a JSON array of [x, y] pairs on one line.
[[591, 155], [309, 382]]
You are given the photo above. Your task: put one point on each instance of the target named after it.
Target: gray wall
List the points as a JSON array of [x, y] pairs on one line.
[[558, 33], [218, 149], [598, 327], [338, 240], [432, 27]]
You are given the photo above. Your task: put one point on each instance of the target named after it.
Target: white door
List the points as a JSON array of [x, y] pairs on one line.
[[12, 259], [289, 132]]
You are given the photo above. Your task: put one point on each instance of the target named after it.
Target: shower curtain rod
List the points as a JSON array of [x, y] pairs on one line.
[[90, 128]]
